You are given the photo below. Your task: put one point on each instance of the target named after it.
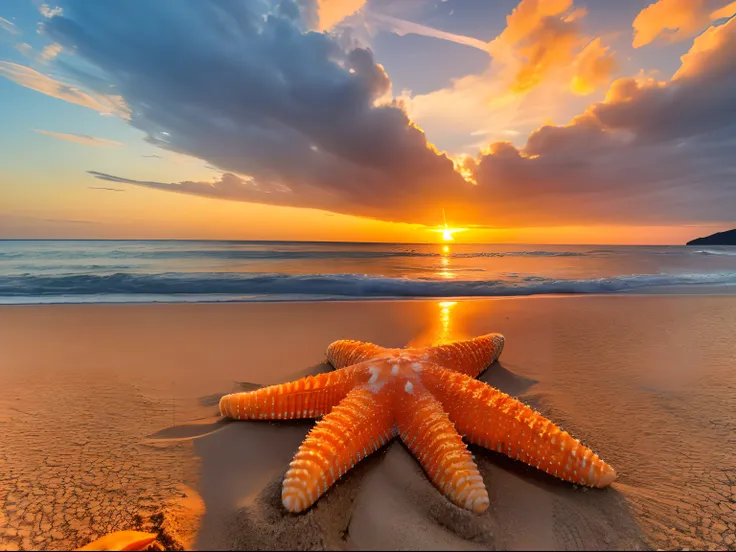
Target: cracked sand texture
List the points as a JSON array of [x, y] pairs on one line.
[[647, 381], [72, 465]]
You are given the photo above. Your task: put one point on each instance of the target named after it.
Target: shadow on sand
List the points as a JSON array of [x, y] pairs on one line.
[[386, 502]]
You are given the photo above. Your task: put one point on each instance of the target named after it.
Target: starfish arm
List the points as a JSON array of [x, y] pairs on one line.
[[431, 437], [496, 421], [355, 428], [308, 397], [347, 351], [470, 356]]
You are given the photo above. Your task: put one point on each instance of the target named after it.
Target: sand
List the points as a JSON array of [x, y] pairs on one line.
[[108, 422]]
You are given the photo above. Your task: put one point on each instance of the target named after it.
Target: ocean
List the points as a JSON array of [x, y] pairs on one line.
[[99, 271]]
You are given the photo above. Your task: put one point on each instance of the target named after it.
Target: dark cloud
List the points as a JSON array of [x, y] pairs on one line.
[[251, 93]]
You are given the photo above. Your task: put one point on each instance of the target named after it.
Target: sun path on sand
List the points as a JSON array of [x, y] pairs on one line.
[[429, 397]]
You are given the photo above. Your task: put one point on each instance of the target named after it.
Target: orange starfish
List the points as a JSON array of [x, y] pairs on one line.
[[429, 398]]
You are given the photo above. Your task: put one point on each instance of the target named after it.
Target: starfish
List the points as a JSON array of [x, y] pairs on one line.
[[429, 397], [122, 540]]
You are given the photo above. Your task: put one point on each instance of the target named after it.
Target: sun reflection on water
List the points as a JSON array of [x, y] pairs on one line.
[[445, 261]]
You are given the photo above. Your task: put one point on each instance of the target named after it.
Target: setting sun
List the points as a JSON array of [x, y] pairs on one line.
[[446, 231]]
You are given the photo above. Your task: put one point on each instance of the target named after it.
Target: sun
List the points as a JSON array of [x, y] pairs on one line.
[[446, 231]]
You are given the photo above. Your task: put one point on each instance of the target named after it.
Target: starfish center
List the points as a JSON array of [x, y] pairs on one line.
[[396, 372]]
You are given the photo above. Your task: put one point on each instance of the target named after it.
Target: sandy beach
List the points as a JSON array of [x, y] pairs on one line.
[[108, 421]]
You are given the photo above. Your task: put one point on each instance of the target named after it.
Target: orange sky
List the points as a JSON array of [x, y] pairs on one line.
[[543, 71]]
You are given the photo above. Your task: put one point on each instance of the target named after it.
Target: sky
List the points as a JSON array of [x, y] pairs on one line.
[[532, 121]]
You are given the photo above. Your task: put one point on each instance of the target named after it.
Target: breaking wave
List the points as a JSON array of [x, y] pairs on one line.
[[257, 286]]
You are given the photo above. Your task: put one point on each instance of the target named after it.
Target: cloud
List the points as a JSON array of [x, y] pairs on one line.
[[332, 12], [49, 52], [49, 12], [9, 26], [293, 113], [539, 60], [402, 27], [675, 20], [291, 118], [24, 49], [25, 76], [80, 138], [105, 189], [70, 221], [539, 37], [724, 13], [651, 152], [593, 68]]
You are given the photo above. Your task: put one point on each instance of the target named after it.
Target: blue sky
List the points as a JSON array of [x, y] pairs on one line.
[[250, 119]]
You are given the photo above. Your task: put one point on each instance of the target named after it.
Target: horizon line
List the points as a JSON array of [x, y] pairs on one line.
[[334, 242]]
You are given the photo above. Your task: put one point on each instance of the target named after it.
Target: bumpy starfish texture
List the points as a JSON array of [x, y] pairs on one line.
[[429, 398]]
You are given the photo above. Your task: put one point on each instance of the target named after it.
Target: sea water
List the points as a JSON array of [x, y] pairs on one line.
[[92, 271]]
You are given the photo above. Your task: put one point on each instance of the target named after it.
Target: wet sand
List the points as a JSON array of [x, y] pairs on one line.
[[108, 422]]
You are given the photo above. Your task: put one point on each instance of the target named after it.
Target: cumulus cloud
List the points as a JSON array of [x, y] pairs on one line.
[[675, 20], [80, 138], [593, 68], [331, 12], [539, 37], [50, 11], [250, 93], [9, 26], [291, 118], [25, 76], [650, 152], [540, 58]]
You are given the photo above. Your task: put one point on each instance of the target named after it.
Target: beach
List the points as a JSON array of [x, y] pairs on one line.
[[109, 421]]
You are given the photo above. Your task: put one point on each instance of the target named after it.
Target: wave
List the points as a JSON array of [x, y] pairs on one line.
[[213, 285], [712, 252]]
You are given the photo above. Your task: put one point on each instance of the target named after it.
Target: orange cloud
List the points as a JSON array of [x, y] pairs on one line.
[[537, 61], [675, 20], [651, 152], [332, 12], [593, 67], [539, 37], [25, 76], [724, 12], [80, 138]]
